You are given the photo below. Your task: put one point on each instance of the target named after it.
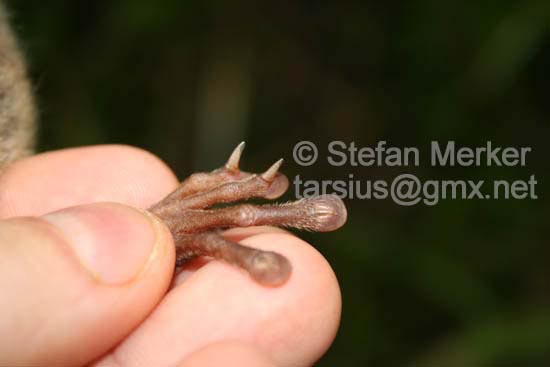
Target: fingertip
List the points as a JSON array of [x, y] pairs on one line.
[[306, 323], [114, 243]]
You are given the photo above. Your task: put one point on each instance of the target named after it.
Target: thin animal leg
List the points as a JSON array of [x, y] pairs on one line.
[[265, 185], [321, 214], [230, 172], [266, 267], [204, 181]]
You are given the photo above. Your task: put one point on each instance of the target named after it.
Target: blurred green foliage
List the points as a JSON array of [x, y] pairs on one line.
[[461, 283]]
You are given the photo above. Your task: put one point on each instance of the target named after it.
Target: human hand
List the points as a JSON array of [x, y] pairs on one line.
[[88, 283]]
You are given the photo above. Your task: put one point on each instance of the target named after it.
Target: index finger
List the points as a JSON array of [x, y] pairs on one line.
[[54, 180]]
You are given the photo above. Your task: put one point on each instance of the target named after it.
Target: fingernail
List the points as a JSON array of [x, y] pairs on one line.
[[112, 241]]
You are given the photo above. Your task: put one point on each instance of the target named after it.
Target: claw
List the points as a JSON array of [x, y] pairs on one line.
[[233, 161], [271, 172]]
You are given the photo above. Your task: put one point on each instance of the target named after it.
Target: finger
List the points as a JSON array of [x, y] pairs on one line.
[[54, 180], [76, 281], [293, 324], [228, 354]]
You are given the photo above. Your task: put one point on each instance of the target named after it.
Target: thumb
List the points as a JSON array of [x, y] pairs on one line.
[[76, 281]]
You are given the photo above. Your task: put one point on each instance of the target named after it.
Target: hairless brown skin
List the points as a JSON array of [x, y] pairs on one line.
[[196, 226]]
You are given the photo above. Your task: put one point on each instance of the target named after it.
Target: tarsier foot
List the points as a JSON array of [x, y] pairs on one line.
[[196, 226]]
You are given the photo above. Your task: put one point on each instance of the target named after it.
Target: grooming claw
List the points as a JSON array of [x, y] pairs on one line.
[[233, 161], [271, 172]]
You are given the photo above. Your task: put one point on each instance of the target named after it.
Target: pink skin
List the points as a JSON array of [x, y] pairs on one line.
[[213, 312]]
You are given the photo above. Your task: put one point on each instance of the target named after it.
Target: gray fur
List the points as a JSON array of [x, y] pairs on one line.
[[17, 113]]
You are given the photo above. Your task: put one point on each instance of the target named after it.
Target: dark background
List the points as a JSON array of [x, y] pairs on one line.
[[461, 283]]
